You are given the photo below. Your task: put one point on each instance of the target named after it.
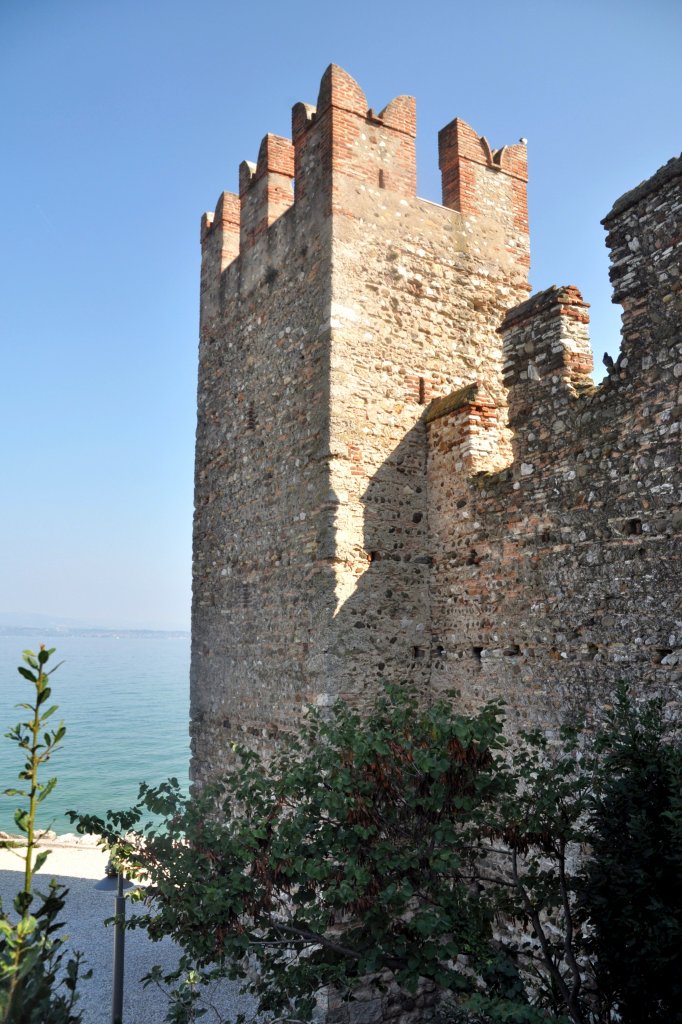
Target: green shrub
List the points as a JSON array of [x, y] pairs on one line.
[[633, 889], [38, 979], [414, 846], [350, 854]]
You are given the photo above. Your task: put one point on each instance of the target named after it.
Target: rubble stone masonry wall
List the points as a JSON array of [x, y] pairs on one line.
[[560, 575], [418, 292], [260, 472], [331, 315], [404, 470]]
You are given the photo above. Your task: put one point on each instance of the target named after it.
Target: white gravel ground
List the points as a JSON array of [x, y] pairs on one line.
[[78, 864]]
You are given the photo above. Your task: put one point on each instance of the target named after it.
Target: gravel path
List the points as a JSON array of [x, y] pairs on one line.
[[84, 914]]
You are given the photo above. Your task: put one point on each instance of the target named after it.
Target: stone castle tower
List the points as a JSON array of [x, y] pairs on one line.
[[404, 471]]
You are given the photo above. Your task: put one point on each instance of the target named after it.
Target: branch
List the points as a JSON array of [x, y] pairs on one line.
[[335, 947], [496, 880], [544, 944], [568, 931]]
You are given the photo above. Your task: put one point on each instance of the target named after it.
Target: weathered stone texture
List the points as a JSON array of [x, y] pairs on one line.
[[418, 292], [404, 470], [330, 318], [560, 575], [261, 477]]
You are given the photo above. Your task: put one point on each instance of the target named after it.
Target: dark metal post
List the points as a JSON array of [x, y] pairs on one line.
[[119, 954]]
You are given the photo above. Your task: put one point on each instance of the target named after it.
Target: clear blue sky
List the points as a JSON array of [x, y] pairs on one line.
[[122, 121]]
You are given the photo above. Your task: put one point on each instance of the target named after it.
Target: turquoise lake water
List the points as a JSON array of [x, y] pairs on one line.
[[125, 703]]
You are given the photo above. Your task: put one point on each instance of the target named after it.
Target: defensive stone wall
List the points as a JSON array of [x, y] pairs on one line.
[[560, 575], [404, 471]]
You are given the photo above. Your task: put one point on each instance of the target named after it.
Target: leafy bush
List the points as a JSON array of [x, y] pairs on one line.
[[413, 847], [38, 979], [633, 888], [350, 854]]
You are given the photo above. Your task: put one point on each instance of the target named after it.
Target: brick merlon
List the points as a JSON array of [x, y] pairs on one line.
[[275, 156], [541, 302], [338, 89], [400, 115]]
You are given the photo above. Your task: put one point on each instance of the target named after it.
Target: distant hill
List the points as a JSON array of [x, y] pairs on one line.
[[27, 623]]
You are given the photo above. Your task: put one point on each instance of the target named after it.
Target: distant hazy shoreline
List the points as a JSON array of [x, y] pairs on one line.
[[128, 634]]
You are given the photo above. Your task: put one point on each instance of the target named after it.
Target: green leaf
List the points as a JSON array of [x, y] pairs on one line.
[[49, 786], [40, 860], [21, 819], [26, 926], [44, 695], [27, 674]]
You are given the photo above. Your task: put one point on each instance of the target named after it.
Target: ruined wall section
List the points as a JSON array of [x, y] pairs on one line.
[[259, 594], [418, 292], [560, 575]]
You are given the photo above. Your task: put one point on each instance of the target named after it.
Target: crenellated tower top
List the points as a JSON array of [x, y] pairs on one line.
[[343, 140]]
